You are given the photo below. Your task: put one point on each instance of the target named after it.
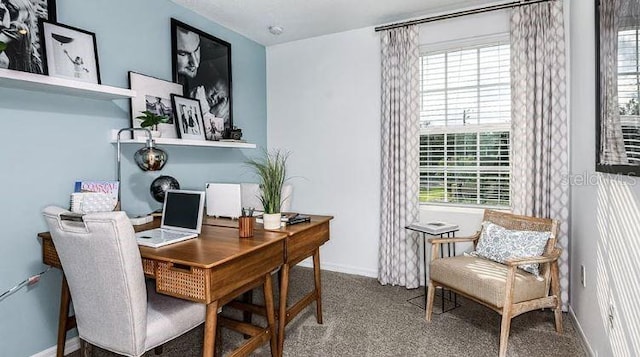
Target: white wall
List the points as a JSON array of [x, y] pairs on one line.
[[323, 104], [605, 216]]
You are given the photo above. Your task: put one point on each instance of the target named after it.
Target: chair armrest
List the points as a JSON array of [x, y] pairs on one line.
[[553, 256], [454, 240]]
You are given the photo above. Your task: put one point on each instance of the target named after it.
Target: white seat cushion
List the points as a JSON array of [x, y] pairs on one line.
[[485, 280], [168, 316]]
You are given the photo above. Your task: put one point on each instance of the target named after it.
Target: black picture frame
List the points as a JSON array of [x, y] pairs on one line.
[[188, 117], [624, 169], [69, 52], [202, 64], [24, 51]]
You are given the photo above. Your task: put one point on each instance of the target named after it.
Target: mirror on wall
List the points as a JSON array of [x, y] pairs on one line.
[[618, 86]]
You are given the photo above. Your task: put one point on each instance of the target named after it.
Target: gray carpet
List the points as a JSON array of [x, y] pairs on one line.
[[363, 318]]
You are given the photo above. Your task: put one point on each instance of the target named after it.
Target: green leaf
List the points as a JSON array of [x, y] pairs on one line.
[[3, 46], [271, 168], [151, 119]]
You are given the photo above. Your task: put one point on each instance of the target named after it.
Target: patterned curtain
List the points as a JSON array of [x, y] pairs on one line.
[[399, 253], [540, 157], [612, 149]]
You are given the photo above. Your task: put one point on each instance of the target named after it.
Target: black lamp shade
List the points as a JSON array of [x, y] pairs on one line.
[[150, 158]]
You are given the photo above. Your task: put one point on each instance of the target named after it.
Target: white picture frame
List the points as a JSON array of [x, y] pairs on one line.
[[148, 91]]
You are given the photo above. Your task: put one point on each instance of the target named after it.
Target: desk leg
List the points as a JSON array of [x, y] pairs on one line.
[[65, 302], [271, 319], [318, 282], [247, 298], [210, 323], [282, 314]]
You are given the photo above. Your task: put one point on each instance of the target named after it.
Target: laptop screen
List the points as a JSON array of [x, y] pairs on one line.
[[183, 210]]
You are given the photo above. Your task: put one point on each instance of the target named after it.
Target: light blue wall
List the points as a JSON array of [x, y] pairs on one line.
[[49, 141]]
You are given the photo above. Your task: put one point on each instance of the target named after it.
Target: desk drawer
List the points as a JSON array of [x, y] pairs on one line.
[[49, 254], [303, 244], [149, 268], [184, 282]]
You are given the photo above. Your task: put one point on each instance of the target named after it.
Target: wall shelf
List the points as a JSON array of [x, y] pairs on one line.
[[42, 83], [182, 142]]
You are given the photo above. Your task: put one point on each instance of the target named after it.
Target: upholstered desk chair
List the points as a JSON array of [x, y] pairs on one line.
[[114, 308], [505, 288]]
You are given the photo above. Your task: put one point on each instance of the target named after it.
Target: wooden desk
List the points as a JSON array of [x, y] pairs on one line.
[[303, 241], [212, 269]]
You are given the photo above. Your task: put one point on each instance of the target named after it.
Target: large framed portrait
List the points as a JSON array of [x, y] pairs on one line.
[[154, 95], [69, 52], [202, 64], [188, 117], [19, 31]]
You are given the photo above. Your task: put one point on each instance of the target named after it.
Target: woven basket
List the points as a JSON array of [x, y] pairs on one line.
[[49, 254], [185, 283]]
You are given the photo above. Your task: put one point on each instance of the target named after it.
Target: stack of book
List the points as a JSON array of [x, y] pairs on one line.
[[289, 218], [433, 227], [294, 218]]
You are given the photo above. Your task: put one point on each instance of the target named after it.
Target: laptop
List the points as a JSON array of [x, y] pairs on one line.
[[181, 219]]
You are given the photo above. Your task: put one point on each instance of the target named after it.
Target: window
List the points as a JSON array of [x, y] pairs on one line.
[[465, 116], [628, 92]]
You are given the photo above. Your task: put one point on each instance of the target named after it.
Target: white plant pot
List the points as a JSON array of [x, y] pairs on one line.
[[271, 220], [155, 133]]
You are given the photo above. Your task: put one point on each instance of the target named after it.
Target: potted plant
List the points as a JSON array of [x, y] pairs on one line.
[[272, 171], [151, 120]]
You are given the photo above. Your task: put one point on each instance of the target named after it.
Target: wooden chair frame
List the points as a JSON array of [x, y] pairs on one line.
[[548, 270]]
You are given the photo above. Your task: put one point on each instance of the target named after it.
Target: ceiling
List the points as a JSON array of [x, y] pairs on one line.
[[309, 18]]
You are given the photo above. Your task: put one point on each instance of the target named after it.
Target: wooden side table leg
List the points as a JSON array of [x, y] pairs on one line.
[[210, 324], [282, 314], [65, 302], [318, 283]]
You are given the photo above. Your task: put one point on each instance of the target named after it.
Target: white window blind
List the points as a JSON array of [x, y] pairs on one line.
[[629, 91], [464, 125]]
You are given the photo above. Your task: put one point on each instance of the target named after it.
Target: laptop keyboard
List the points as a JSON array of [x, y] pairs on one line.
[[168, 235]]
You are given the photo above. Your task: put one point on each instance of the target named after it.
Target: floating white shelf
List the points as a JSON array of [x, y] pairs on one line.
[[42, 83], [182, 142]]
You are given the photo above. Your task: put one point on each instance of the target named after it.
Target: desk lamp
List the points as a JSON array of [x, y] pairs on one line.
[[148, 158]]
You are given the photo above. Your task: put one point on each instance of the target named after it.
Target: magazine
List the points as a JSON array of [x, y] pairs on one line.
[[109, 187]]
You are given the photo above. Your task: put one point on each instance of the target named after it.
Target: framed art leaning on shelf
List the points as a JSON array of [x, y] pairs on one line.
[[154, 95], [70, 52], [202, 64], [188, 115]]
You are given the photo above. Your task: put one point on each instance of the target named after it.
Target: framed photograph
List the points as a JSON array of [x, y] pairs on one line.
[[188, 117], [20, 32], [202, 64], [69, 52], [154, 95]]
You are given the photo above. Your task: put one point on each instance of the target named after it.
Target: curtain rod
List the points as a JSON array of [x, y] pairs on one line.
[[452, 15]]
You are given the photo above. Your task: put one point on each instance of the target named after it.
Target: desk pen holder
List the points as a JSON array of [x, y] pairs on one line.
[[245, 226]]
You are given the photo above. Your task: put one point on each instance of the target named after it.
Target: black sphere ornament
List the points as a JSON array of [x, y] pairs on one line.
[[160, 185]]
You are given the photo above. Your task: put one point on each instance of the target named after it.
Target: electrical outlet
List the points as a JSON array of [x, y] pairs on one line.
[[583, 276]]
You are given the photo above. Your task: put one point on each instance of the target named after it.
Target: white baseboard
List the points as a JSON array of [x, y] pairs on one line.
[[72, 345], [341, 268], [572, 314]]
